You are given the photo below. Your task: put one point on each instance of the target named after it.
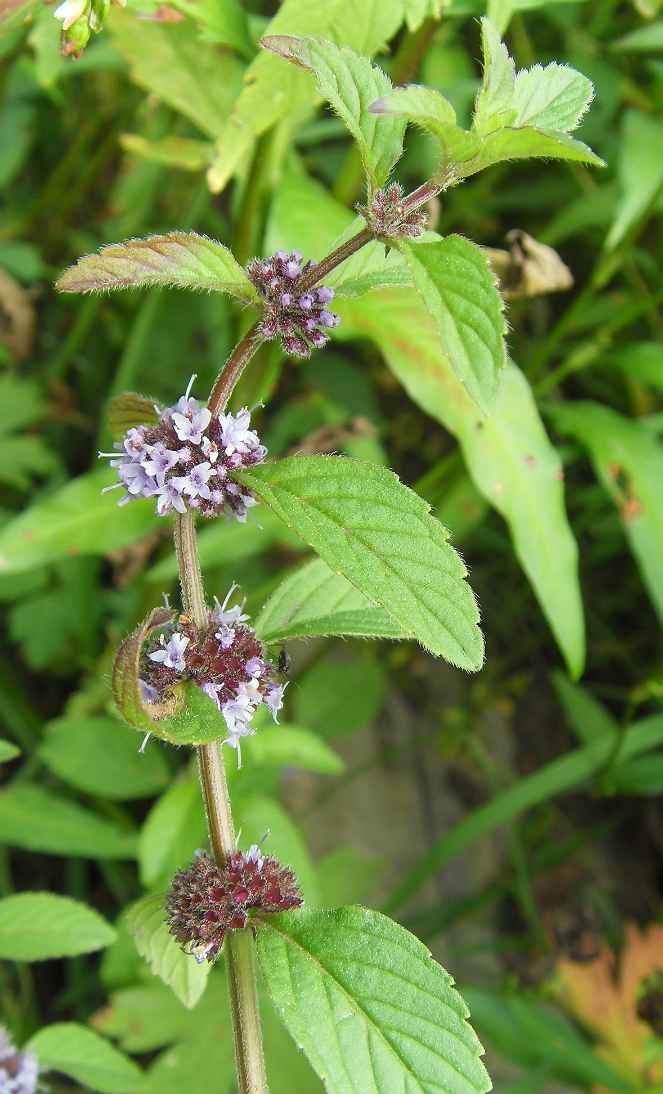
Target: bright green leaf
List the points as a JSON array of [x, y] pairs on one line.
[[76, 520], [225, 23], [366, 525], [495, 97], [314, 601], [179, 970], [460, 291], [292, 746], [551, 98], [182, 259], [144, 1018], [101, 756], [302, 208], [36, 820], [350, 84], [628, 460], [508, 455], [182, 152], [645, 39], [82, 1054], [368, 1005], [426, 108], [37, 926]]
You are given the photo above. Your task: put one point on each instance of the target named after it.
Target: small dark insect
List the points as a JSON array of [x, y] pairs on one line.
[[285, 664]]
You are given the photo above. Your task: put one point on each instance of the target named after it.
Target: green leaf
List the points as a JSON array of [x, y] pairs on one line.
[[125, 679], [551, 98], [8, 751], [82, 1054], [145, 1018], [197, 722], [100, 756], [366, 525], [180, 971], [641, 361], [182, 152], [350, 84], [182, 259], [37, 926], [76, 520], [302, 208], [640, 172], [642, 776], [170, 61], [367, 1003], [339, 697], [557, 777], [226, 23], [426, 108], [628, 460], [274, 90], [508, 455], [460, 291], [292, 746], [495, 96], [315, 601], [645, 39], [36, 820], [173, 830]]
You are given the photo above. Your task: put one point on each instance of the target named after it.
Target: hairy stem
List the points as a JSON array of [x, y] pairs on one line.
[[233, 369], [326, 265], [239, 955]]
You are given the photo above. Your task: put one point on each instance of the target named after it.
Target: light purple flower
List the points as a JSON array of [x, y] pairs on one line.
[[274, 699], [158, 460], [171, 655], [194, 483], [19, 1071], [235, 432], [148, 693], [190, 420], [169, 498]]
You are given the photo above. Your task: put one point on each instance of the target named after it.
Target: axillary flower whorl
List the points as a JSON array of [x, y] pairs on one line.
[[227, 661], [300, 318], [206, 902], [187, 460]]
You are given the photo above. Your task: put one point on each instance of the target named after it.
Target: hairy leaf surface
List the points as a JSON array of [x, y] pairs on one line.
[[180, 971], [368, 1004], [369, 527]]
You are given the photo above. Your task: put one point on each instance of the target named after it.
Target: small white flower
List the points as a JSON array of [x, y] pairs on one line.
[[158, 460], [69, 12], [169, 498], [274, 699], [171, 655], [190, 420], [235, 432], [194, 483]]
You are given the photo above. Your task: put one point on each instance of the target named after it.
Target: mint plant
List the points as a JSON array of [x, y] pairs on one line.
[[359, 994]]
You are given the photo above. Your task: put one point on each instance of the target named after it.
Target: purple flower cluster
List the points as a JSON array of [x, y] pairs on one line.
[[206, 901], [301, 319], [188, 460], [388, 218], [19, 1071], [227, 661]]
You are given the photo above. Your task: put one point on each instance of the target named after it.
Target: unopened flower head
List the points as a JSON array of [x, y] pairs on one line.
[[206, 902], [187, 460], [300, 318], [19, 1071], [389, 219], [78, 18], [227, 661]]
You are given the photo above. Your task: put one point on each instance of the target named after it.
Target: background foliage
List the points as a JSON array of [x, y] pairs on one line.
[[137, 137]]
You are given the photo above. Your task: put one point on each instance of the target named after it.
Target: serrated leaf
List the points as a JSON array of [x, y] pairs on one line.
[[127, 411], [181, 259], [460, 291], [499, 77], [171, 62], [76, 520], [274, 90], [125, 678], [37, 926], [8, 751], [369, 527], [315, 601], [180, 971], [36, 820], [628, 460], [350, 83], [100, 756], [87, 1057], [508, 455], [367, 1003], [551, 98]]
